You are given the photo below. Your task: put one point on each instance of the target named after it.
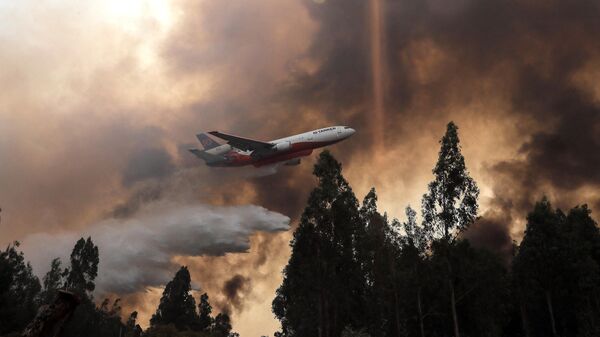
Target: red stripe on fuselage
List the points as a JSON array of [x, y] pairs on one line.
[[300, 149]]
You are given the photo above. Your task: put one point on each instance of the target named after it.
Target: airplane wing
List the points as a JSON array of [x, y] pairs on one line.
[[243, 143]]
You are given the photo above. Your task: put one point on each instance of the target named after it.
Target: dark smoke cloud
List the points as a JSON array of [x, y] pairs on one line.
[[146, 163], [143, 195], [235, 289], [530, 52], [102, 139], [490, 233]]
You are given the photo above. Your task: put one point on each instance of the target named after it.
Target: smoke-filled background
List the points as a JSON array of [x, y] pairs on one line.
[[99, 101]]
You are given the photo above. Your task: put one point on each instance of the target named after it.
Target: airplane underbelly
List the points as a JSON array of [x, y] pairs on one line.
[[282, 157]]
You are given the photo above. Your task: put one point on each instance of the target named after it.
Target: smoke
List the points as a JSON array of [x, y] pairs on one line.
[[138, 252], [490, 232], [96, 117], [147, 163], [378, 68], [235, 290]]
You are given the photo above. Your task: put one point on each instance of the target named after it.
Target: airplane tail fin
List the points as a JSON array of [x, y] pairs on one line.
[[207, 142], [207, 157]]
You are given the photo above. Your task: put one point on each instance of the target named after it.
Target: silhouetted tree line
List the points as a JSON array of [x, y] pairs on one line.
[[354, 272], [22, 296]]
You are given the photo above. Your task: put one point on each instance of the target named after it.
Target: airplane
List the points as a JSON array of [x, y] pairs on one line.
[[241, 151]]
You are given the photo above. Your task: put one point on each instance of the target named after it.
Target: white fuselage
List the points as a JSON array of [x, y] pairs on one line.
[[286, 150]]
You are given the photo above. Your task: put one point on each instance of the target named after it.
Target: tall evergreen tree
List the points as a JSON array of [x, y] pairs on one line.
[[378, 253], [81, 274], [177, 305], [18, 290], [221, 326], [538, 266], [205, 310], [88, 319], [583, 246], [323, 287], [414, 267], [451, 201], [557, 272], [132, 328], [450, 206], [53, 280]]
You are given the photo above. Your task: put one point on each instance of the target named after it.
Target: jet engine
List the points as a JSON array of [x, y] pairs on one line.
[[283, 146], [292, 162]]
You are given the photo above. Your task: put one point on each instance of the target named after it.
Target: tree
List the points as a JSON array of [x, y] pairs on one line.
[[451, 200], [480, 283], [84, 267], [87, 319], [18, 290], [414, 266], [583, 245], [324, 268], [378, 252], [450, 205], [349, 332], [415, 236], [558, 272], [53, 281], [132, 328], [205, 309], [177, 305], [538, 264], [221, 326]]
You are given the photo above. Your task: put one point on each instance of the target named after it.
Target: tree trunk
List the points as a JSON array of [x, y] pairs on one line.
[[524, 319], [321, 295], [551, 312], [333, 326], [453, 304], [396, 311], [420, 308], [452, 295], [320, 326], [327, 325]]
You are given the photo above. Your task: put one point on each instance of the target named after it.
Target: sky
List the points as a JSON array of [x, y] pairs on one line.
[[100, 100]]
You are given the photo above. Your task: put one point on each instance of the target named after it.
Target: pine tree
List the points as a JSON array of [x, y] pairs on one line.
[[177, 305]]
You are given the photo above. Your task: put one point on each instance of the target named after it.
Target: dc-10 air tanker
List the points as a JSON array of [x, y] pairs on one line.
[[287, 151]]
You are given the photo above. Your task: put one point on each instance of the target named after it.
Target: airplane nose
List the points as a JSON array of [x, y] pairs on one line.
[[351, 131]]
